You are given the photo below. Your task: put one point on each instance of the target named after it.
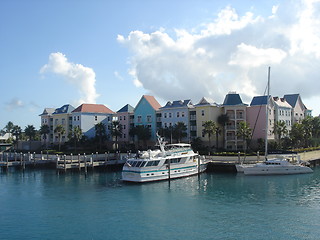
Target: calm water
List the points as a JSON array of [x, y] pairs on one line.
[[39, 204]]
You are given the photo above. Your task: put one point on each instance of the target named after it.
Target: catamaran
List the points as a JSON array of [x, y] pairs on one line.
[[275, 166], [167, 162]]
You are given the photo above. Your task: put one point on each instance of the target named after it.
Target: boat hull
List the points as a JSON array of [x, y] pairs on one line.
[[276, 170], [152, 175]]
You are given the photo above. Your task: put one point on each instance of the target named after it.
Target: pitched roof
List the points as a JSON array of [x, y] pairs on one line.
[[281, 102], [206, 101], [232, 99], [47, 111], [292, 99], [127, 108], [93, 108], [176, 104], [67, 108], [259, 100], [152, 101]]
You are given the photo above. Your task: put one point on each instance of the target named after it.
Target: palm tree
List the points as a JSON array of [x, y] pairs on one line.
[[60, 131], [75, 134], [210, 128], [280, 130], [9, 128], [244, 131], [218, 132], [179, 131], [142, 132], [45, 130], [223, 119], [116, 131], [101, 133], [16, 132], [297, 134], [30, 132]]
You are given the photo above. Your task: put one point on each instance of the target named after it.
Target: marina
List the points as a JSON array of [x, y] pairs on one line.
[[40, 204]]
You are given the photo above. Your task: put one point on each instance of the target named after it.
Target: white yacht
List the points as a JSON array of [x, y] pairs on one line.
[[168, 162], [276, 166]]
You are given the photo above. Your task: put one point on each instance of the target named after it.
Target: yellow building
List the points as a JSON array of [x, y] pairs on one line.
[[207, 110], [62, 116]]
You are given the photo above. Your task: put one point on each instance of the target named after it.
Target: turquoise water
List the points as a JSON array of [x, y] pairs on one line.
[[39, 204]]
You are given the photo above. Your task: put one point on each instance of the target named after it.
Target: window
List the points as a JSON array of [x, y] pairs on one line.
[[63, 121], [56, 121], [109, 119], [96, 118], [165, 125], [74, 118], [124, 118], [78, 118], [165, 115], [178, 114], [124, 135], [139, 119], [149, 119], [202, 112], [170, 115], [124, 126], [182, 114], [149, 125]]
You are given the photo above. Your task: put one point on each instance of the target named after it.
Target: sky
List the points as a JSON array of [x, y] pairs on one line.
[[113, 52]]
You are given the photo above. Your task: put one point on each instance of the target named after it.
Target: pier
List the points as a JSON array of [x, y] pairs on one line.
[[89, 161], [60, 162]]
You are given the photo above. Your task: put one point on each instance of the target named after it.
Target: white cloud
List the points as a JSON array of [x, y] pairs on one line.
[[81, 77], [232, 53], [251, 56], [14, 103]]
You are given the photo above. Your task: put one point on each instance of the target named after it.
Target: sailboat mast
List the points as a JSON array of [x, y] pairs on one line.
[[267, 116]]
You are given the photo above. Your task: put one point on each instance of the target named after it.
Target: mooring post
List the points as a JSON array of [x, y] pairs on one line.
[[239, 158], [15, 155], [91, 160], [21, 159], [24, 162], [47, 156], [41, 156], [79, 163], [65, 162], [85, 163], [57, 161], [34, 158], [7, 161], [105, 158]]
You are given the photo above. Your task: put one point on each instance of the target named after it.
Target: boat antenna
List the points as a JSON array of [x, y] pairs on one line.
[[267, 117]]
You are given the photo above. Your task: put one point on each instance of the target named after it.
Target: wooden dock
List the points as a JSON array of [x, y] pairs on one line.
[[61, 162]]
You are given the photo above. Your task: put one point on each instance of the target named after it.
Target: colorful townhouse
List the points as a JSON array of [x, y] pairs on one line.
[[236, 111], [256, 117], [145, 113], [62, 116], [283, 111], [86, 116], [46, 119], [125, 117], [204, 111], [174, 112], [299, 110]]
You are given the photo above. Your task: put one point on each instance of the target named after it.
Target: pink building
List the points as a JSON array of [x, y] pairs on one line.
[[256, 117], [125, 116]]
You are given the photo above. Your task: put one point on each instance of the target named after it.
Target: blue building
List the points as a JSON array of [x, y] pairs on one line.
[[145, 113]]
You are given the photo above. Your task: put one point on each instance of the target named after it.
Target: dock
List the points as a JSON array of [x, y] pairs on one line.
[[61, 162]]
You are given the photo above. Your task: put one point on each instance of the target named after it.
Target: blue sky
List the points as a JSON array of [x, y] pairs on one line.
[[112, 52]]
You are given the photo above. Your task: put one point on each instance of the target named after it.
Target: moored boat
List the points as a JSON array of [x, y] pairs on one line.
[[168, 162]]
